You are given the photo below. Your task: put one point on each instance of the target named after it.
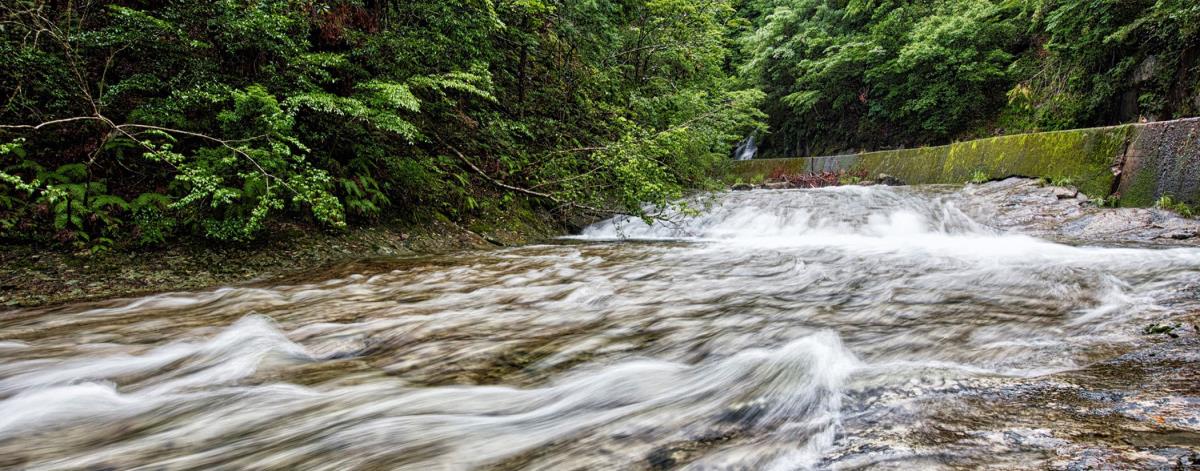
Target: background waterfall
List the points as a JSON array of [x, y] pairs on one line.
[[747, 148]]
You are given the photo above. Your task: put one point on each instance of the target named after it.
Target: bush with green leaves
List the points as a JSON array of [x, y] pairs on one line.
[[217, 119], [1166, 202]]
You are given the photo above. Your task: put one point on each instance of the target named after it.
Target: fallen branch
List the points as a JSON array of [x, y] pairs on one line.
[[36, 127]]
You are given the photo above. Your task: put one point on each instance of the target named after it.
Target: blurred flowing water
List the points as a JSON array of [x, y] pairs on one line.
[[765, 333]]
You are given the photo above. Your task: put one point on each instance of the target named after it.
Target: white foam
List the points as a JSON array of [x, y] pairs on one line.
[[233, 354]]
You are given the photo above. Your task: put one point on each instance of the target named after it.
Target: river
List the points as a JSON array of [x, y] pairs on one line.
[[851, 327]]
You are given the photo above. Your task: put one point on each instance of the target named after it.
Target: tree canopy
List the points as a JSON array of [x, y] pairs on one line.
[[853, 74], [143, 121], [156, 119]]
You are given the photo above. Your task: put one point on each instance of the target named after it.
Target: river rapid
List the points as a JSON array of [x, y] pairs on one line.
[[842, 328]]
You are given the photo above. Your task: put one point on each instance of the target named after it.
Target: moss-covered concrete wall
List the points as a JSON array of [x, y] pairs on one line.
[[1163, 160], [1140, 161], [763, 168]]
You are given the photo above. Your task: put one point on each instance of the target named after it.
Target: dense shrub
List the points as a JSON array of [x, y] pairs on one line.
[[144, 121]]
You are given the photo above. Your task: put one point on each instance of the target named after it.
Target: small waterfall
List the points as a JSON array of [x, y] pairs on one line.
[[746, 149], [793, 216]]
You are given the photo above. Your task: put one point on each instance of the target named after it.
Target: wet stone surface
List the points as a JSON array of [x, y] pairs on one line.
[[1031, 207], [1005, 325]]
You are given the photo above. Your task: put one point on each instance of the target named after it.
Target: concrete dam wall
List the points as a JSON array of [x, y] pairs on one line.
[[1137, 162]]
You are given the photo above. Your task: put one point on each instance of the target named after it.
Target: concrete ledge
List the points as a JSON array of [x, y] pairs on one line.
[[1163, 159], [1141, 162]]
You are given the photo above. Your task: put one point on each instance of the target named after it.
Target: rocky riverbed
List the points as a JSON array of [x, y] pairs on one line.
[[1007, 325], [36, 275], [1032, 207]]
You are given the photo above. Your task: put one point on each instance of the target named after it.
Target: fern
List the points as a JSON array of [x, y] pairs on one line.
[[363, 196], [64, 174], [26, 165], [150, 200], [153, 223], [109, 202]]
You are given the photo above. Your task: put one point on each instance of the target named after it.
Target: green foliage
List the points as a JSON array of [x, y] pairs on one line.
[[155, 224], [13, 188], [656, 166], [1111, 60], [1059, 181], [220, 118], [876, 74], [65, 201], [363, 196], [234, 186], [1110, 201], [873, 74], [979, 176], [1163, 329], [1178, 207]]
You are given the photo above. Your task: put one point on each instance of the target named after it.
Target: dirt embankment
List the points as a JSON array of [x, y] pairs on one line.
[[33, 275]]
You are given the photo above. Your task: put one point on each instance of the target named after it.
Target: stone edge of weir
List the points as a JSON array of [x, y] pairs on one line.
[[1138, 163]]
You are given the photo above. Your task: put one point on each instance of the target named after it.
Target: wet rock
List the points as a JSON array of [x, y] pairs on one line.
[[1107, 223], [1064, 193], [777, 186], [1064, 214], [1188, 461], [885, 179], [1179, 235], [742, 187], [665, 458]]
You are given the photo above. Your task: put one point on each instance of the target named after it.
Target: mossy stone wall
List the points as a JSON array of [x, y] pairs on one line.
[[1141, 162], [1163, 160]]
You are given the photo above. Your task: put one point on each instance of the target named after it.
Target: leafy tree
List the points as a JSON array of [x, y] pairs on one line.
[[218, 118], [849, 74]]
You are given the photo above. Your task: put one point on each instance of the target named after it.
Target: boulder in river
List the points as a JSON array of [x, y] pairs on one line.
[[885, 179]]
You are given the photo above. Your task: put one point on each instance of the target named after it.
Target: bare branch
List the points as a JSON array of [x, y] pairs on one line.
[[125, 128], [36, 127], [547, 196], [223, 142]]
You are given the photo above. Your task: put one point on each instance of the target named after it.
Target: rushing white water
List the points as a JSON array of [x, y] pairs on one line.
[[746, 149], [754, 336]]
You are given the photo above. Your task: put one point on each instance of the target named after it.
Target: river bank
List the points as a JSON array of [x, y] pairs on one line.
[[35, 276]]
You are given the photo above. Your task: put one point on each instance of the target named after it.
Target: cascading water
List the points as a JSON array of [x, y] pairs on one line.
[[746, 149], [844, 327]]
